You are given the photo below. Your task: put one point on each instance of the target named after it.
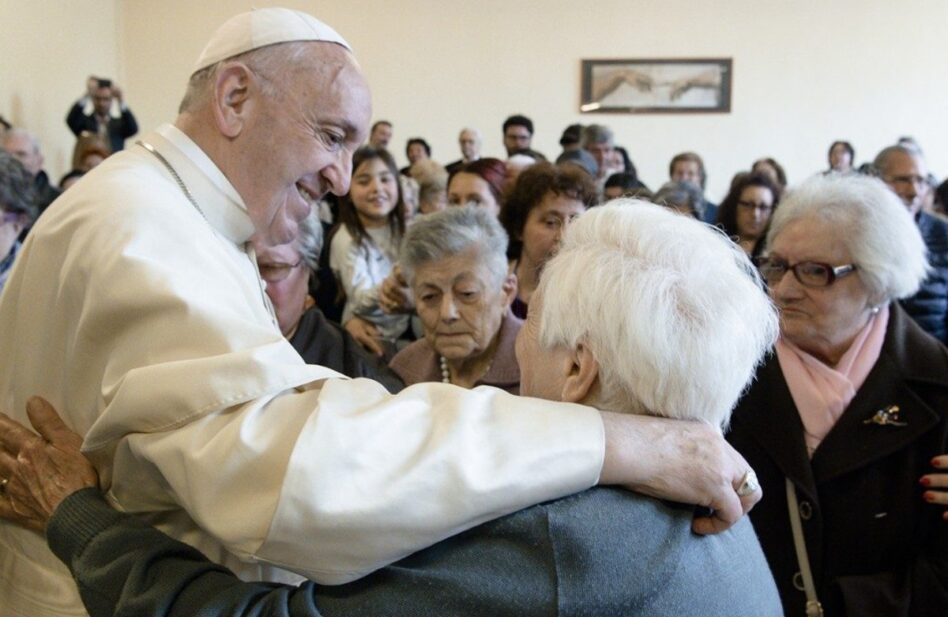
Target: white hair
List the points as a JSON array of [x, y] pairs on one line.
[[872, 223], [268, 62], [452, 231], [672, 310], [310, 239]]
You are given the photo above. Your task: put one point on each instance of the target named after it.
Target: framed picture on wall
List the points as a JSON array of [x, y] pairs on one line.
[[661, 85]]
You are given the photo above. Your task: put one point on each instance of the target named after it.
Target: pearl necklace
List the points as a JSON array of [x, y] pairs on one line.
[[446, 373]]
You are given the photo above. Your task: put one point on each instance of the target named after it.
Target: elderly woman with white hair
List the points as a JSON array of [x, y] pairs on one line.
[[843, 420], [642, 311], [455, 263]]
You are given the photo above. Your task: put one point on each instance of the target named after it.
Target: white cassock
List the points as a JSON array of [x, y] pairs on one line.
[[144, 320]]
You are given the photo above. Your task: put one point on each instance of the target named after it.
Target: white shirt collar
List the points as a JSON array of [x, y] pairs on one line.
[[217, 198]]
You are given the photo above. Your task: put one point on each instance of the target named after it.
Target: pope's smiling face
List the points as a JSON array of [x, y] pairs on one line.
[[297, 142]]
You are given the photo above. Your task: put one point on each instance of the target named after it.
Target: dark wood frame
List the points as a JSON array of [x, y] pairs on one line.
[[588, 105]]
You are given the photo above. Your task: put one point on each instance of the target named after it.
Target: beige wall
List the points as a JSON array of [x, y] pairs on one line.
[[805, 72], [48, 48]]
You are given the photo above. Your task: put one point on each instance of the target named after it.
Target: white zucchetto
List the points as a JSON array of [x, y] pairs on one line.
[[261, 27]]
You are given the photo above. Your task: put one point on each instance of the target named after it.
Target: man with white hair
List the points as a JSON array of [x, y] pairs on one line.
[[137, 308], [903, 169], [470, 142], [25, 147], [679, 322]]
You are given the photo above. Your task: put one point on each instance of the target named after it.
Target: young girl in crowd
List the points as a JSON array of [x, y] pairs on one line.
[[365, 246]]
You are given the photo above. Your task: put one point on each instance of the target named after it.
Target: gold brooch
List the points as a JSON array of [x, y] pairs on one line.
[[887, 416]]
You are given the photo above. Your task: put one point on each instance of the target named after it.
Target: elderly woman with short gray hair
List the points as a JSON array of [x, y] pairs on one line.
[[843, 419], [455, 263]]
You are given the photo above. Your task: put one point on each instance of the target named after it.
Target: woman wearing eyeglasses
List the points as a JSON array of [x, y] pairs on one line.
[[286, 271], [745, 212], [847, 414]]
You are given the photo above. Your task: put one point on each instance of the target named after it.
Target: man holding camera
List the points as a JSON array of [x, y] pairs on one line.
[[93, 113]]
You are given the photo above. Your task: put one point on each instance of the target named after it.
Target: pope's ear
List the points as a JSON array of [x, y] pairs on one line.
[[583, 373], [233, 85]]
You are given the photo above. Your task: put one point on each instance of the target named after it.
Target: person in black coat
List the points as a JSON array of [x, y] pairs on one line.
[[287, 271], [850, 410]]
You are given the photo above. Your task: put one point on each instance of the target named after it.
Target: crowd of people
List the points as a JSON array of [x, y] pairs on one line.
[[483, 310]]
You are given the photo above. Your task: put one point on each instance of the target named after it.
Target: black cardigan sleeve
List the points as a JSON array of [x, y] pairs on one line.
[[125, 567]]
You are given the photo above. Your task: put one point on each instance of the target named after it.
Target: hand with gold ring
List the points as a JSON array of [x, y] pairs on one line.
[[749, 484], [39, 471]]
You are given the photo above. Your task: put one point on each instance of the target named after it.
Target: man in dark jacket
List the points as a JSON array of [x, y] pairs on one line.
[[906, 173], [93, 113]]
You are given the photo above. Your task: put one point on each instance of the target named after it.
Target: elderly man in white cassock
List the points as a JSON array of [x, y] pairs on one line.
[[136, 308]]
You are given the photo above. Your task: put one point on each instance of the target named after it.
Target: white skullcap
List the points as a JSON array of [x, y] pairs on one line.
[[262, 27]]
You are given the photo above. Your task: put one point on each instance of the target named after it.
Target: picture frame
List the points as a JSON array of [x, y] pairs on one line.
[[656, 85]]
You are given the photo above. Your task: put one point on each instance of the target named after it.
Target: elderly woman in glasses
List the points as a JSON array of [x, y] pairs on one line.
[[844, 418], [455, 262], [286, 270]]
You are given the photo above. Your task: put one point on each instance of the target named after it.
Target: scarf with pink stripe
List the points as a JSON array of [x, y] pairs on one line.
[[822, 393]]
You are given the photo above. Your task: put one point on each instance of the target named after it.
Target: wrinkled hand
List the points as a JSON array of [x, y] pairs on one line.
[[937, 481], [117, 92], [41, 470], [92, 84], [365, 333], [688, 462], [394, 295]]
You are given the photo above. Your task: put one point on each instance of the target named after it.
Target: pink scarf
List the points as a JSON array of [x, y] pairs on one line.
[[820, 392]]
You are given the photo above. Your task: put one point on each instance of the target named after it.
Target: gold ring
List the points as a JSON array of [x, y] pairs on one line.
[[749, 484]]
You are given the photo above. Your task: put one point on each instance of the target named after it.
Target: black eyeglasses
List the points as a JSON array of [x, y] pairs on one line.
[[749, 205], [276, 272], [808, 273]]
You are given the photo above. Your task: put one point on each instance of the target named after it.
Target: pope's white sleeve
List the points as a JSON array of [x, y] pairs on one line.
[[202, 409], [335, 482]]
